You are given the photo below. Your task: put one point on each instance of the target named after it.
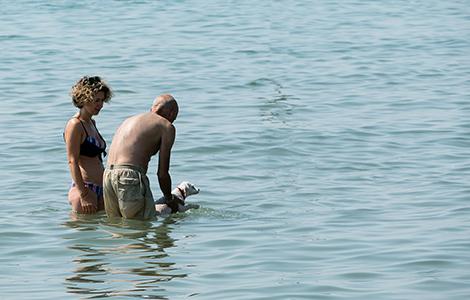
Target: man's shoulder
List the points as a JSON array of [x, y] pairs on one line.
[[157, 119], [138, 119], [148, 115], [139, 116], [150, 121]]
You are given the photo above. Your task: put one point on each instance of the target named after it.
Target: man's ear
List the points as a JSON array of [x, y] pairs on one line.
[[173, 114]]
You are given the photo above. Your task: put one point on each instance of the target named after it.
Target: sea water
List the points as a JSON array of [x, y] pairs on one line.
[[330, 141]]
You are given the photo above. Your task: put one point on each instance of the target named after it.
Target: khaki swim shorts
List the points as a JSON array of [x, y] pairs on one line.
[[127, 192]]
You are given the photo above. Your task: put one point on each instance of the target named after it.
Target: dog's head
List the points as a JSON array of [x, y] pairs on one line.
[[188, 188]]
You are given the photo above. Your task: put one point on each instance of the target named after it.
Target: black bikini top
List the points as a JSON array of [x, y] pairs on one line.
[[90, 146]]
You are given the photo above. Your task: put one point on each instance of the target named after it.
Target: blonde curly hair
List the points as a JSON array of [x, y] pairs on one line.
[[84, 91]]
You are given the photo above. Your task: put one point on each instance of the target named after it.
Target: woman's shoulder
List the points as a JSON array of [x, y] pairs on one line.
[[72, 122], [73, 126]]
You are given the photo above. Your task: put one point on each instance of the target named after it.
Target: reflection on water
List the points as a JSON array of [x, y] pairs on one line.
[[120, 257], [277, 106]]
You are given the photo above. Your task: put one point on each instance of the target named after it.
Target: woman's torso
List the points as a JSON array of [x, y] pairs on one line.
[[92, 146]]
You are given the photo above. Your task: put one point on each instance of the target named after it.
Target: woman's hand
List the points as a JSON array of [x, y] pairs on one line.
[[88, 203]]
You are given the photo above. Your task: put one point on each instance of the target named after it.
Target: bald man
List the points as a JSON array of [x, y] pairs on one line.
[[126, 186]]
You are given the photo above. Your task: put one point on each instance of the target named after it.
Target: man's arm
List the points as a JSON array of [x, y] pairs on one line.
[[164, 178]]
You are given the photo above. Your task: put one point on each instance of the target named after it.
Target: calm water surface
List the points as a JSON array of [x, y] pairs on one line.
[[330, 141]]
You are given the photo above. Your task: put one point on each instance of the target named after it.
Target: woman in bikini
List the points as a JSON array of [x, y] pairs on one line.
[[85, 145]]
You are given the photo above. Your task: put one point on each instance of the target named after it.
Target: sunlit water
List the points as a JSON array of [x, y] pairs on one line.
[[330, 141]]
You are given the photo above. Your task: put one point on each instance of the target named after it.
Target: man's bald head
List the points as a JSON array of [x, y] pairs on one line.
[[166, 106]]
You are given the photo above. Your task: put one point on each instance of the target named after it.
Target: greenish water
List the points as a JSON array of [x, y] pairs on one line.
[[330, 141]]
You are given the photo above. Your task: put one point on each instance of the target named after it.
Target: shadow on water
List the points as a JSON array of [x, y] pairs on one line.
[[117, 257]]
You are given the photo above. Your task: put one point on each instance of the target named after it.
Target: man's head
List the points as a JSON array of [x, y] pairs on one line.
[[166, 106]]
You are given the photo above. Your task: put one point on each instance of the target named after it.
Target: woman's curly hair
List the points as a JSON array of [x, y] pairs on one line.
[[84, 91]]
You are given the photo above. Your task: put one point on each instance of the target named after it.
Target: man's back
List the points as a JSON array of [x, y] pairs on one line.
[[138, 139]]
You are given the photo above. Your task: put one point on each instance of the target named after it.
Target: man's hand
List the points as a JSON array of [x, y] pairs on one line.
[[173, 204]]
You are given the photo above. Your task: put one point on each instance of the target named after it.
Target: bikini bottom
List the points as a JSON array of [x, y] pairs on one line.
[[98, 189]]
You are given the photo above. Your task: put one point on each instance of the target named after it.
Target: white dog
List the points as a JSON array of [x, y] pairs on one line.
[[184, 190]]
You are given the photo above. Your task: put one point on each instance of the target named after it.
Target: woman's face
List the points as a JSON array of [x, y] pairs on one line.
[[95, 107]]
